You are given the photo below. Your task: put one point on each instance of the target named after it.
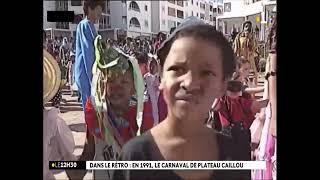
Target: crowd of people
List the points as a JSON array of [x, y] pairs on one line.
[[185, 97]]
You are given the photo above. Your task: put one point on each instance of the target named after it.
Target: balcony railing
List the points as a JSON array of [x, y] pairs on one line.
[[135, 26], [134, 9], [104, 26]]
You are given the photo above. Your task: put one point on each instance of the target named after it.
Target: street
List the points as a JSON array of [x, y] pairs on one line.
[[73, 115]]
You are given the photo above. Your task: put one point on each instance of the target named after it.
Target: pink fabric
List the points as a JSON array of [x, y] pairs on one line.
[[266, 150], [58, 142], [269, 154]]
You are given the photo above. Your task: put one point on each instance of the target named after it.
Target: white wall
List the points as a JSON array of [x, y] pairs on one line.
[[253, 8], [163, 16], [48, 6], [117, 10], [155, 16], [237, 9], [142, 16]]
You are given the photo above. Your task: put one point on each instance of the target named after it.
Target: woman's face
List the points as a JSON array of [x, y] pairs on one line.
[[192, 78], [245, 70]]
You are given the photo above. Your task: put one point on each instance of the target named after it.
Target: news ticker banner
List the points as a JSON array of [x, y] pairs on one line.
[[158, 165]]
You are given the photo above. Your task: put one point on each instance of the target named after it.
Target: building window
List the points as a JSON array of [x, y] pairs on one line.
[[178, 23], [202, 6], [171, 12], [211, 8], [108, 6], [173, 2], [192, 2], [180, 3], [108, 22], [201, 16], [124, 20], [197, 15], [227, 7], [62, 5], [62, 25], [134, 22], [210, 17], [163, 22], [134, 6], [163, 9], [76, 3], [214, 10], [171, 24], [197, 4], [146, 23], [104, 22], [220, 9], [145, 7], [180, 14]]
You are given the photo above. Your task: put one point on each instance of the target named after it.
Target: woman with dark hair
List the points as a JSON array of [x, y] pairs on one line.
[[196, 63], [85, 36]]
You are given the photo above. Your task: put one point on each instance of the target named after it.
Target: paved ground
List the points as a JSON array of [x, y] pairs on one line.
[[72, 114]]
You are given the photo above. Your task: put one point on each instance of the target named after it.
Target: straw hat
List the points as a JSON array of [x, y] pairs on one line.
[[51, 77]]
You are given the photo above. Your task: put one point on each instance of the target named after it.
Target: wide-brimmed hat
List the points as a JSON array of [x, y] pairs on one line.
[[51, 77]]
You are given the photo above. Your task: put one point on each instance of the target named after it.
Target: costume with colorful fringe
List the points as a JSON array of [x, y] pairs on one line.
[[99, 116]]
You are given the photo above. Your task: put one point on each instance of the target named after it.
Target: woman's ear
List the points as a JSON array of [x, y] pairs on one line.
[[161, 85]]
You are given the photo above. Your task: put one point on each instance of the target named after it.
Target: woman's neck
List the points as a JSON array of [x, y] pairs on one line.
[[184, 128]]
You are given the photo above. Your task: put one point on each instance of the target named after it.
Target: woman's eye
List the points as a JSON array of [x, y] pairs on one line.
[[208, 73], [177, 69]]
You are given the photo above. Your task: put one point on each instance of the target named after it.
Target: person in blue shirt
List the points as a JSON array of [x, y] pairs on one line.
[[85, 57]]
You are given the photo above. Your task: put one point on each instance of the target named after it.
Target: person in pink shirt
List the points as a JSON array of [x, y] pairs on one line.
[[58, 142]]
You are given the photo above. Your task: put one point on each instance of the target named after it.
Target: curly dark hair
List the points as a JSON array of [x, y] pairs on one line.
[[92, 4], [209, 34]]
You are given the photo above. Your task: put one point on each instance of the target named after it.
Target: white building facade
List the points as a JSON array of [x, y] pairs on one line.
[[135, 18], [235, 12], [69, 28], [170, 13], [132, 16]]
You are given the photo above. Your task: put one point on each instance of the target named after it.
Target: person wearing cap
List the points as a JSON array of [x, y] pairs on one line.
[[58, 142], [196, 62], [112, 115]]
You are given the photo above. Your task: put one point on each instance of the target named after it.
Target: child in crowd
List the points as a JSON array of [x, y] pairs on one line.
[[113, 113]]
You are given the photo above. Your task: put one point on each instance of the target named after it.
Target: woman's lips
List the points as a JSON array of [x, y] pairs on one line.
[[185, 98]]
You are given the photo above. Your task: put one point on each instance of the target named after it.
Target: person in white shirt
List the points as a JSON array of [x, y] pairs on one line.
[[152, 81]]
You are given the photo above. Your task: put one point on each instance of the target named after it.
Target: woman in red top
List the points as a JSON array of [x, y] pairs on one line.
[[236, 115]]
